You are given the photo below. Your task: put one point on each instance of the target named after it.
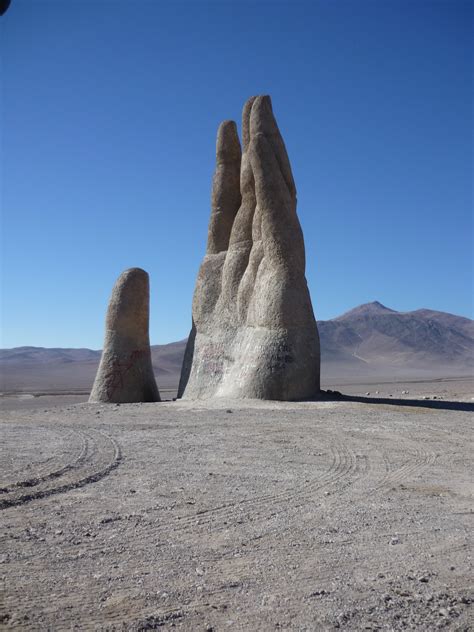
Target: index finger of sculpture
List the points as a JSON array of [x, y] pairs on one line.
[[225, 197], [240, 243]]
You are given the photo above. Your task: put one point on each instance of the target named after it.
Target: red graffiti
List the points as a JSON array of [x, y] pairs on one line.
[[115, 377]]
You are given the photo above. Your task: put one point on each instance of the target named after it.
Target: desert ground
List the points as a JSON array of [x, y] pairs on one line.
[[456, 387], [329, 515]]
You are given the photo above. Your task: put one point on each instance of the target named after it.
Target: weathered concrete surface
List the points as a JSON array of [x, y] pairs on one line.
[[125, 372], [254, 333]]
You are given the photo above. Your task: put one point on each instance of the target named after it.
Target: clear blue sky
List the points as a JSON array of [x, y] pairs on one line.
[[109, 116]]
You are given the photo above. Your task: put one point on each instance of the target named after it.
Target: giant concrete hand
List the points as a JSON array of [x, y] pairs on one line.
[[254, 332]]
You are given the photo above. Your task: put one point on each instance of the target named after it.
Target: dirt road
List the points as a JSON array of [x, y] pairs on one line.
[[239, 516]]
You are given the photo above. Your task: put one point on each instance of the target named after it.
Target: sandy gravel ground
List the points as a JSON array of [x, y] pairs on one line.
[[457, 388], [239, 516]]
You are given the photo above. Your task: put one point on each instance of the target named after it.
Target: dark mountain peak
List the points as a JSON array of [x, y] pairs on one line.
[[367, 309], [378, 305]]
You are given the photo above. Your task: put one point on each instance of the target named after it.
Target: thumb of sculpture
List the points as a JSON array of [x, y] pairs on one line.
[[125, 372]]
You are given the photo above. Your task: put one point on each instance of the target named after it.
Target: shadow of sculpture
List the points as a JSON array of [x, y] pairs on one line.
[[437, 404]]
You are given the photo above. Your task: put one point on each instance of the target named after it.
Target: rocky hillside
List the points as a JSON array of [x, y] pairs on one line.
[[374, 337]]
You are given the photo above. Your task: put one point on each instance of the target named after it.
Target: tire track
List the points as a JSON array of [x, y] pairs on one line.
[[40, 478], [206, 516], [421, 459], [31, 463], [100, 454], [343, 464]]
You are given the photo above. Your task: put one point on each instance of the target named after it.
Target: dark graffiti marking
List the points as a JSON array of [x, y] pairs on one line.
[[115, 377]]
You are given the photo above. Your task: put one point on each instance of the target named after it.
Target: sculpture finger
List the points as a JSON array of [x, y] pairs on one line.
[[242, 230], [241, 239], [225, 197], [282, 238], [247, 109], [125, 373], [262, 121]]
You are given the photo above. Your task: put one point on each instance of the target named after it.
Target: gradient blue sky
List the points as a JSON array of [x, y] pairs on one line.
[[109, 115]]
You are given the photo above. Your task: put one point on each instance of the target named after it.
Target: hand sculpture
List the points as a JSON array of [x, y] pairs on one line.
[[125, 373], [254, 333]]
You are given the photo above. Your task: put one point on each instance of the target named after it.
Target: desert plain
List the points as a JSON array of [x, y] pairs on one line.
[[352, 514]]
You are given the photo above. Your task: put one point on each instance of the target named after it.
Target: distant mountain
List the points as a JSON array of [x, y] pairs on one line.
[[39, 368], [366, 309], [367, 340], [42, 355], [167, 360], [377, 338]]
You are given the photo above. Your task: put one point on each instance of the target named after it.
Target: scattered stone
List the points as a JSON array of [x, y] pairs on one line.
[[125, 372], [109, 519], [254, 334]]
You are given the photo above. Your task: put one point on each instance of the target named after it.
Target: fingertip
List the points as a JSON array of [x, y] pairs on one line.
[[246, 121], [262, 120], [227, 143]]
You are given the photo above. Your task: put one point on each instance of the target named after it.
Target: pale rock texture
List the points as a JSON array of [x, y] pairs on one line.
[[254, 334], [125, 372]]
